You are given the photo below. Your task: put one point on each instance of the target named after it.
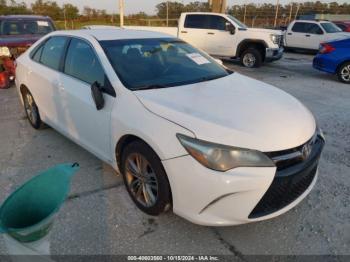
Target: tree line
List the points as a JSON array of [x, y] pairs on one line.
[[173, 9]]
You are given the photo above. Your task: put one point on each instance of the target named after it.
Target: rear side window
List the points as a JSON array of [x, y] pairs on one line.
[[309, 28], [52, 52], [83, 64], [214, 22], [196, 21]]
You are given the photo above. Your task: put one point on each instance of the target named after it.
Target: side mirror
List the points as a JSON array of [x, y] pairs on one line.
[[230, 28], [97, 95]]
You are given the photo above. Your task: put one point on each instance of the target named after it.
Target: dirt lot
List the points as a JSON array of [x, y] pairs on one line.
[[99, 217]]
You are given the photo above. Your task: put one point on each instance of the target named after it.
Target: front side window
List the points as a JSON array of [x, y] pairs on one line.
[[217, 22], [160, 62], [25, 27], [331, 28], [82, 63], [53, 51]]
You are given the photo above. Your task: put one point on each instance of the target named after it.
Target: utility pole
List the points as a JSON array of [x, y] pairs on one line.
[[65, 18], [290, 12], [121, 12], [167, 13], [276, 16], [297, 12], [245, 13]]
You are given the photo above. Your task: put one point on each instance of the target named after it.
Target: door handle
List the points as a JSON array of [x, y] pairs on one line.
[[211, 33], [307, 35], [289, 33], [184, 32]]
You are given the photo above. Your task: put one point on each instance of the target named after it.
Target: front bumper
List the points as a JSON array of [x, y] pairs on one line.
[[273, 54], [238, 196]]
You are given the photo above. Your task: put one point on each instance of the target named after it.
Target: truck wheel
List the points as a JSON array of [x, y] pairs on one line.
[[145, 178], [344, 73], [251, 57], [32, 110]]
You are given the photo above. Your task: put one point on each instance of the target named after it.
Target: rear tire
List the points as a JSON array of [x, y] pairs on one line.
[[145, 178], [251, 58], [343, 73], [31, 110]]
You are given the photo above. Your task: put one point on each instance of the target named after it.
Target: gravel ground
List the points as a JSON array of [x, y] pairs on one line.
[[99, 217]]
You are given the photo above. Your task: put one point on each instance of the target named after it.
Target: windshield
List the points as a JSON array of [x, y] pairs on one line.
[[25, 27], [161, 62], [331, 28], [239, 23]]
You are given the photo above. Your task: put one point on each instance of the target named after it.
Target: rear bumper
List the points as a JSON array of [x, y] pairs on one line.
[[273, 54], [325, 64]]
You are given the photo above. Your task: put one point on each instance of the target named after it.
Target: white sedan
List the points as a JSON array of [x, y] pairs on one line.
[[186, 133]]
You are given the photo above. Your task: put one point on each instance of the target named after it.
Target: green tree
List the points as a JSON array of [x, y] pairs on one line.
[[70, 11], [47, 8]]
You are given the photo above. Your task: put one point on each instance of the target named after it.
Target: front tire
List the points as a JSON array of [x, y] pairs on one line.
[[32, 110], [344, 73], [251, 58], [145, 178]]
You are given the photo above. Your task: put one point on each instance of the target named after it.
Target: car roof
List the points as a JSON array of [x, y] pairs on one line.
[[24, 17], [313, 21], [113, 34]]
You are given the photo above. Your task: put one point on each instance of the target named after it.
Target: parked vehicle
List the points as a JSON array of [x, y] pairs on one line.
[[185, 132], [17, 33], [334, 58], [343, 25], [309, 34], [223, 35]]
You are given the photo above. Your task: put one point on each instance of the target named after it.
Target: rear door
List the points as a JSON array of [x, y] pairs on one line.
[[78, 114], [43, 77], [195, 30]]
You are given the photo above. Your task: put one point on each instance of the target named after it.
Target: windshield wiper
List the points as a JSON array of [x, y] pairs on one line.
[[155, 86]]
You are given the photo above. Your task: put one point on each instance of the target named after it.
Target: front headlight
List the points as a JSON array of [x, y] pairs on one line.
[[5, 51], [275, 39], [222, 158]]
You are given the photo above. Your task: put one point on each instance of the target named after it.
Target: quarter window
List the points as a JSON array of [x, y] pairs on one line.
[[36, 57], [52, 52], [82, 63]]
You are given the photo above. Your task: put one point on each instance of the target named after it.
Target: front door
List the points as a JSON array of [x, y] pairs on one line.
[[82, 121]]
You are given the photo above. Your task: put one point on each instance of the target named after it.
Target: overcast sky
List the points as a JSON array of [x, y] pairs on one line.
[[148, 6]]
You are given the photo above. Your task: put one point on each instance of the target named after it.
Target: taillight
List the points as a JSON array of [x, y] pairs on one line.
[[326, 48]]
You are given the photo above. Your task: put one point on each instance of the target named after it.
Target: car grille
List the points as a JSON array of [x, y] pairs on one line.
[[281, 41], [293, 177]]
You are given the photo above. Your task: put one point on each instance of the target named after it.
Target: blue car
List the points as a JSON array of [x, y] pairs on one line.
[[334, 57]]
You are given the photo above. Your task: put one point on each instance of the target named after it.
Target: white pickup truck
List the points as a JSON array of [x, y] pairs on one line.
[[223, 35], [309, 34]]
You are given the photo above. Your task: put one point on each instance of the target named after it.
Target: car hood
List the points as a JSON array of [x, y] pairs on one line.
[[266, 31], [19, 41], [234, 110]]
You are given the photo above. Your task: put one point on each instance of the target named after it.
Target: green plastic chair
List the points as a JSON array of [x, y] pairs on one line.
[[28, 213]]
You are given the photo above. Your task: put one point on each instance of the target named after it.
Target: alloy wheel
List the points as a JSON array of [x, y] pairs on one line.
[[345, 73], [30, 108], [249, 60], [141, 180]]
